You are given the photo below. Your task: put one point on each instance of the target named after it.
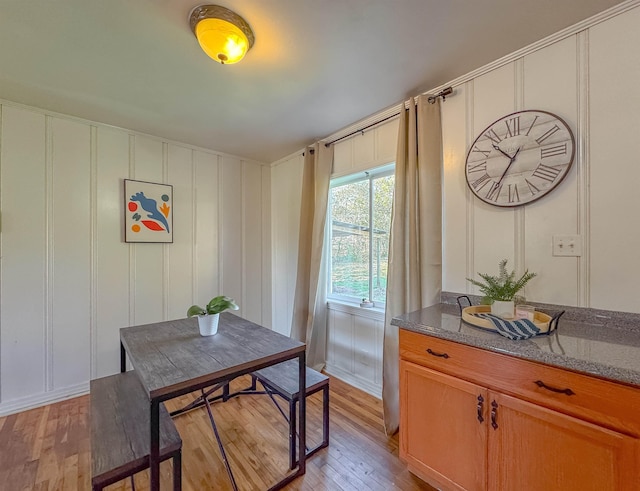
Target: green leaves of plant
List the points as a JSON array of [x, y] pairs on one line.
[[215, 306], [220, 304], [503, 287], [195, 310]]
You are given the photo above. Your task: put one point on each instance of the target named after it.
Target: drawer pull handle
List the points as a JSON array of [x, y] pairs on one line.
[[494, 415], [541, 384], [440, 355], [480, 408]]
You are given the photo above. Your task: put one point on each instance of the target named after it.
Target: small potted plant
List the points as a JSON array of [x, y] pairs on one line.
[[208, 317], [501, 291]]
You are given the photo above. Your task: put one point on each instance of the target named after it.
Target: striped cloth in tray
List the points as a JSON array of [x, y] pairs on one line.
[[515, 329]]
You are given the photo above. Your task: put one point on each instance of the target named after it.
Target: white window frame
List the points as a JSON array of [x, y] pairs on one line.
[[370, 175]]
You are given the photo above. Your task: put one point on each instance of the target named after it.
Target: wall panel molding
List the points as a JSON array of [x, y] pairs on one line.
[[1, 242], [132, 247], [194, 231], [49, 270], [518, 213], [583, 164], [93, 252], [470, 199], [243, 224], [165, 247]]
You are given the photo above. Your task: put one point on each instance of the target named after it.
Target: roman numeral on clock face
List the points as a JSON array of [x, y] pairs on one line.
[[547, 172], [482, 166], [493, 136], [494, 191], [534, 190], [547, 134], [513, 127], [553, 150], [530, 127], [514, 197], [486, 154], [481, 182]]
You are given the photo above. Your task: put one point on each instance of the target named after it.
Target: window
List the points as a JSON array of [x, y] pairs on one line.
[[360, 218]]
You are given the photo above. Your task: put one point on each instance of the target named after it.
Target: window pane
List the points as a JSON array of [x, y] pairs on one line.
[[382, 203], [350, 240]]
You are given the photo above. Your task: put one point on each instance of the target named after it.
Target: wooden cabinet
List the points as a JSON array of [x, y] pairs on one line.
[[444, 440], [536, 448], [471, 419]]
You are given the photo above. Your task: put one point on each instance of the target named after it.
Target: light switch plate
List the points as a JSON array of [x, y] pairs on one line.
[[567, 245]]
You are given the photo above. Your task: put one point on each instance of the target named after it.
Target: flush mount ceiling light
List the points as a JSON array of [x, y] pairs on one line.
[[223, 35]]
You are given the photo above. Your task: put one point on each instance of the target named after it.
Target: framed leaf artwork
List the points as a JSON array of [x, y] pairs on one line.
[[148, 215]]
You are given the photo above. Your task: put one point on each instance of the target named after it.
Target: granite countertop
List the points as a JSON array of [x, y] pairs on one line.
[[594, 349]]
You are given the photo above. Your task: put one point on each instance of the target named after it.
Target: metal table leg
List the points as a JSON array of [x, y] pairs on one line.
[[220, 446], [302, 412], [154, 445], [123, 359]]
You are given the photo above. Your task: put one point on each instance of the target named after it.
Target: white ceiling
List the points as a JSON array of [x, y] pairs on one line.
[[316, 66]]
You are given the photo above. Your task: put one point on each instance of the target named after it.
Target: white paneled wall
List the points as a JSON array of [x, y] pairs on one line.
[[286, 184], [614, 170], [354, 346], [69, 282], [575, 77], [367, 150]]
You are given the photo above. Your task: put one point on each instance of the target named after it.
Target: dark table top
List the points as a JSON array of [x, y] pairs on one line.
[[172, 358]]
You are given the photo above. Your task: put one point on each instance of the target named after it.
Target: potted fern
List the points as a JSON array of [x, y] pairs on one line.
[[209, 317], [501, 291]]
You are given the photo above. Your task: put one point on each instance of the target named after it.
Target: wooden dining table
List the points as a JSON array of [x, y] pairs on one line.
[[171, 359]]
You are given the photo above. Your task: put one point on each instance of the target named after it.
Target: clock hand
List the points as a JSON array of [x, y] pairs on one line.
[[500, 150], [513, 159]]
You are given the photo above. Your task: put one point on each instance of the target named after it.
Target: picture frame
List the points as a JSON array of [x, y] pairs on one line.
[[148, 212]]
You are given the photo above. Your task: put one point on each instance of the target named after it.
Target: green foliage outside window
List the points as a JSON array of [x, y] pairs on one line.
[[360, 237]]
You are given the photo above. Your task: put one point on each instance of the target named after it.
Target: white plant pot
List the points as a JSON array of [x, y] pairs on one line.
[[503, 309], [208, 324]]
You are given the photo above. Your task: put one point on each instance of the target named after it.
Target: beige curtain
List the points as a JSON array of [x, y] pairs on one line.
[[309, 322], [415, 249]]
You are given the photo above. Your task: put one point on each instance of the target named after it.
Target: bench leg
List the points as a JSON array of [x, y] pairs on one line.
[[225, 392], [123, 359], [292, 434], [325, 416]]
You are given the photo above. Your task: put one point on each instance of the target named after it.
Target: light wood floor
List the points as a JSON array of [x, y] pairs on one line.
[[48, 448]]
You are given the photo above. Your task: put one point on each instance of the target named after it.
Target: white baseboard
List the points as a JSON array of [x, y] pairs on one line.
[[42, 399], [352, 379]]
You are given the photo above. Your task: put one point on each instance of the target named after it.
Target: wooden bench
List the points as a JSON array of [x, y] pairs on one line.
[[120, 432], [282, 379]]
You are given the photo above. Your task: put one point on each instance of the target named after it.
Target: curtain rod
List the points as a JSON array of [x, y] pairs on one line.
[[432, 100], [361, 130]]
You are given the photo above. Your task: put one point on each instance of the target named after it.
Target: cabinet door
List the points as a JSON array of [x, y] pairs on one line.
[[441, 437], [538, 449]]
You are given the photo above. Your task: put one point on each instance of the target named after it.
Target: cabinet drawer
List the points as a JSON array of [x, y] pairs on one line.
[[603, 402]]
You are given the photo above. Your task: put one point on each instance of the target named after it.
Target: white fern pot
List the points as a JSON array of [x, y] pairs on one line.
[[503, 309], [208, 324]]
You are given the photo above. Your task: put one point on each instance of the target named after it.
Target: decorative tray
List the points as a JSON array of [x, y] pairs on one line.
[[540, 319]]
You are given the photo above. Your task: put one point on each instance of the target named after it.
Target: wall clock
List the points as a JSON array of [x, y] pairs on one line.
[[520, 158]]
